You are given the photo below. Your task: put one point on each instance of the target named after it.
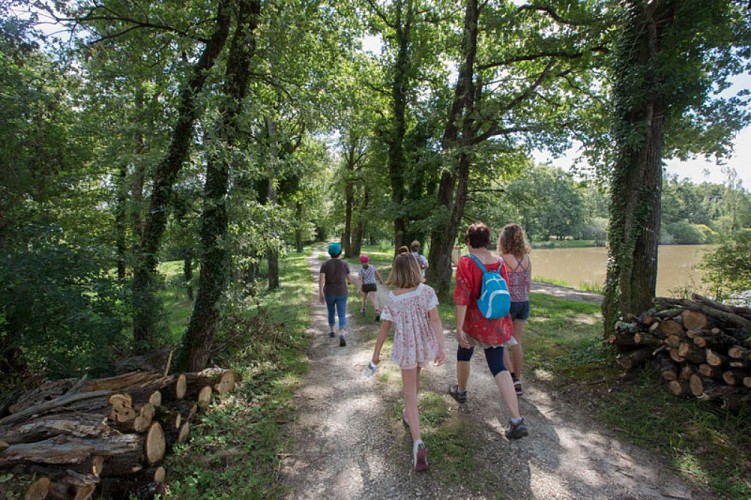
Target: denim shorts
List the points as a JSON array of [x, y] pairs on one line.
[[519, 310]]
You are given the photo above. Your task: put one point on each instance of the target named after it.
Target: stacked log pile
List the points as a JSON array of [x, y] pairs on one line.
[[82, 436], [702, 348]]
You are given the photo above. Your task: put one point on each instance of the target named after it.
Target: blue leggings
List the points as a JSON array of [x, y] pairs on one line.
[[493, 356], [338, 302]]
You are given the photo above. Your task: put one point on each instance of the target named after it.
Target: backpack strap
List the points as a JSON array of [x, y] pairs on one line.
[[482, 266]]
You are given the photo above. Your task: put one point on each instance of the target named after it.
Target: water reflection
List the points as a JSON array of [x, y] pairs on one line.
[[586, 266]]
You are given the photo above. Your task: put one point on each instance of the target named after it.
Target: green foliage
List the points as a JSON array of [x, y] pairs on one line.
[[685, 233], [63, 312], [235, 446], [727, 269]]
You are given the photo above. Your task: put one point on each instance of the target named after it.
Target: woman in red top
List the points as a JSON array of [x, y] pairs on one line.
[[473, 329]]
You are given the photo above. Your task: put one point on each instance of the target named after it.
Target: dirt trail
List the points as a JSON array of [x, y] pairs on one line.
[[348, 442]]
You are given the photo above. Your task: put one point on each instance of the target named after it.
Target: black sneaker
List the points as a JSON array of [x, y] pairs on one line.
[[378, 317], [342, 342], [459, 396], [332, 334], [516, 431], [517, 385]]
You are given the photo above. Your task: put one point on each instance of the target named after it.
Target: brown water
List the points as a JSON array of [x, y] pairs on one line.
[[585, 267]]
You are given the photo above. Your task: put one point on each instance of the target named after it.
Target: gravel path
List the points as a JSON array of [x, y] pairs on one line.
[[347, 441]]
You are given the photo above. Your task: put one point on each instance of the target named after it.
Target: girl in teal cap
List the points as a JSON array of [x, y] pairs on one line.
[[333, 282]]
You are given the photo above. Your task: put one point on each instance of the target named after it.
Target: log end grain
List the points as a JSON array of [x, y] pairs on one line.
[[160, 474], [205, 395], [38, 490], [226, 383], [181, 386], [155, 445]]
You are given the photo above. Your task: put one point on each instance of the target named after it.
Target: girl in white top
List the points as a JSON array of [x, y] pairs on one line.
[[412, 307]]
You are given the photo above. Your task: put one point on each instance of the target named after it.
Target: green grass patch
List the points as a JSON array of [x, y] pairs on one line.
[[564, 349], [234, 447]]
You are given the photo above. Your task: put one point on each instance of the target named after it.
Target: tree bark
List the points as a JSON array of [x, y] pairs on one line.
[[452, 190], [637, 174], [197, 341], [145, 304]]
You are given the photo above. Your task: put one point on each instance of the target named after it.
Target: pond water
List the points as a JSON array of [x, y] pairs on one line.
[[580, 267]]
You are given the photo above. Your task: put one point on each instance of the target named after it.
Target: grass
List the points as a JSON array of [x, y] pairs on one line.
[[234, 449]]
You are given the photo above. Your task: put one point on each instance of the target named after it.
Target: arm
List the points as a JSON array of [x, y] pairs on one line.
[[383, 332], [460, 312], [378, 276], [437, 326], [321, 283]]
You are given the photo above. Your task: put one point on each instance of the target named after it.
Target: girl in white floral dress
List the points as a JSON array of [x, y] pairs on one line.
[[412, 307]]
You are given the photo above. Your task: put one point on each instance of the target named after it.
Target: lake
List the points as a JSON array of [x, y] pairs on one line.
[[580, 266]]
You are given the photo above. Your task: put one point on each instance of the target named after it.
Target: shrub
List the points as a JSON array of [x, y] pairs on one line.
[[685, 233], [63, 312], [728, 268]]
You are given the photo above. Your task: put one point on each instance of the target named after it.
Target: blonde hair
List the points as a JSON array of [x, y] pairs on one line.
[[512, 240], [405, 273]]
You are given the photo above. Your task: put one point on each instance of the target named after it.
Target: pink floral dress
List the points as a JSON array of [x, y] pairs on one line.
[[415, 343]]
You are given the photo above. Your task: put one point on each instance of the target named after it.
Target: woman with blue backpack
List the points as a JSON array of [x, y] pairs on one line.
[[482, 319]]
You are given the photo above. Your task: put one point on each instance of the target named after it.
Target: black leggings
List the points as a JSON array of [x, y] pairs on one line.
[[493, 356]]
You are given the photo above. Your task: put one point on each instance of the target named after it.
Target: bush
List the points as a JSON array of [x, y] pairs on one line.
[[728, 268], [685, 233], [63, 312]]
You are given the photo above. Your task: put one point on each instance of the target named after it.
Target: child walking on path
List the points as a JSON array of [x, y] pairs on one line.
[[368, 275], [412, 307], [333, 282], [514, 248]]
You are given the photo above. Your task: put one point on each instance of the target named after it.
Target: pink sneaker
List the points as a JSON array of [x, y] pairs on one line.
[[420, 456]]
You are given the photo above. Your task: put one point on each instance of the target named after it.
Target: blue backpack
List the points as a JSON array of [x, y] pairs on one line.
[[494, 301]]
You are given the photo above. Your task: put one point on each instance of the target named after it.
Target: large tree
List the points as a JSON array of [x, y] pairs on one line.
[[519, 70], [664, 79], [198, 339]]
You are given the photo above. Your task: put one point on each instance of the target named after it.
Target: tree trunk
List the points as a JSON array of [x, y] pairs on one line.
[[272, 197], [637, 174], [399, 94], [452, 190], [145, 305], [198, 339]]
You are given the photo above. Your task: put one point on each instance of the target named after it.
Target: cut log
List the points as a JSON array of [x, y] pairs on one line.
[[707, 370], [38, 490], [668, 369], [181, 387], [738, 352], [121, 382], [679, 388], [747, 382], [715, 359], [160, 474], [686, 371], [47, 426], [635, 358], [694, 320], [692, 353], [154, 446], [700, 385], [669, 327], [675, 356], [646, 339], [220, 380], [49, 405], [49, 390], [733, 377], [62, 449], [204, 395], [73, 485], [155, 399]]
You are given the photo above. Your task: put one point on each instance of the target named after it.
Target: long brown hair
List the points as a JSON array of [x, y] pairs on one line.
[[512, 240]]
